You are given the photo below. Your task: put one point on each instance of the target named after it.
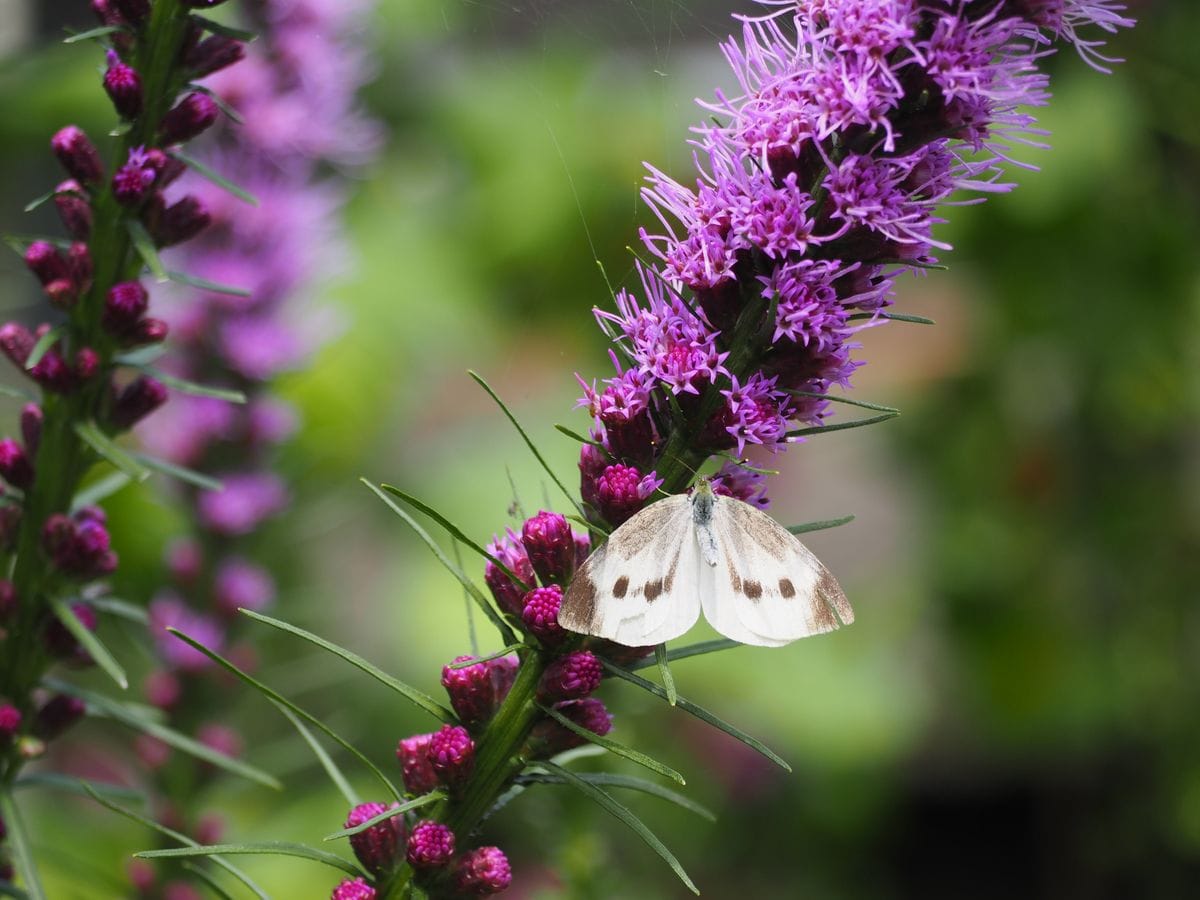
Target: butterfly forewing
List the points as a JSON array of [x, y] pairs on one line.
[[640, 587], [767, 588]]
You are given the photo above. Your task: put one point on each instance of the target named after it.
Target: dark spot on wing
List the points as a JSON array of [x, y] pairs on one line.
[[670, 579], [735, 580], [653, 589], [579, 603], [832, 603], [786, 589], [620, 587], [752, 589]]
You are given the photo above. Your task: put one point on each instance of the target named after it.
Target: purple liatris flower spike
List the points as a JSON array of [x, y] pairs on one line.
[[378, 847], [413, 755], [430, 846], [550, 546], [483, 871], [540, 614], [355, 889], [451, 754], [570, 677]]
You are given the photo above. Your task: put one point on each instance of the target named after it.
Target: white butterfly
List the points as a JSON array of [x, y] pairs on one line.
[[756, 582]]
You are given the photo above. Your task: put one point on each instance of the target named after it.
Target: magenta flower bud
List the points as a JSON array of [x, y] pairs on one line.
[[152, 752], [583, 548], [133, 11], [430, 845], [79, 264], [150, 331], [212, 54], [509, 595], [471, 690], [8, 601], [193, 114], [452, 754], [378, 847], [162, 689], [549, 737], [355, 889], [141, 875], [137, 400], [31, 426], [221, 738], [504, 673], [124, 305], [45, 261], [16, 342], [570, 677], [10, 723], [53, 373], [61, 293], [620, 491], [181, 221], [57, 715], [124, 87], [74, 209], [540, 614], [239, 584], [87, 363], [550, 546], [58, 538], [62, 644], [77, 155], [15, 466], [133, 181], [483, 871], [413, 754]]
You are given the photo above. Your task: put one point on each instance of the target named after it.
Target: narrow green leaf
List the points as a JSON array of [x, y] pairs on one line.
[[612, 746], [88, 640], [145, 246], [205, 285], [684, 652], [43, 345], [625, 815], [506, 633], [455, 532], [820, 526], [175, 836], [700, 713], [100, 489], [631, 782], [327, 763], [423, 800], [215, 177], [419, 698], [142, 356], [664, 671], [7, 390], [842, 426], [744, 464], [222, 104], [511, 648], [895, 317], [182, 473], [22, 849], [863, 404], [528, 442], [210, 882], [110, 451], [190, 387], [58, 782], [92, 33], [44, 199], [287, 706], [121, 608], [263, 848], [102, 706], [20, 242], [238, 34], [575, 436]]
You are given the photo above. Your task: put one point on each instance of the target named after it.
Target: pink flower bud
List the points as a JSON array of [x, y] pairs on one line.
[[74, 209], [137, 400], [124, 87], [471, 690], [540, 615], [15, 466], [413, 755], [181, 221], [193, 114], [87, 363], [483, 871], [16, 342], [133, 181], [212, 54], [45, 261], [124, 305], [239, 584], [77, 155], [570, 677], [378, 847], [452, 754], [355, 889], [62, 644], [150, 331], [620, 491], [550, 546], [133, 11], [162, 689], [31, 426], [509, 595], [10, 723], [57, 715], [549, 737], [430, 846]]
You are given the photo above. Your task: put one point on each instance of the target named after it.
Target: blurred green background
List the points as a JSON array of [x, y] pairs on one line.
[[1015, 712]]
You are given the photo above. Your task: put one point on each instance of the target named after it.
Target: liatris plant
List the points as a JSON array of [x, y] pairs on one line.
[[276, 251], [819, 183], [90, 363]]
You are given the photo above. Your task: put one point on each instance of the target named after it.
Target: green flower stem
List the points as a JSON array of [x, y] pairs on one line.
[[497, 762], [63, 459]]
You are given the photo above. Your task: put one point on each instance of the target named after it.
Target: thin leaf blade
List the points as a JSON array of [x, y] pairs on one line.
[[108, 450], [180, 473], [613, 747], [821, 525], [22, 848], [630, 782], [399, 810], [147, 250], [664, 671], [689, 650], [262, 848], [842, 426], [209, 174], [88, 640]]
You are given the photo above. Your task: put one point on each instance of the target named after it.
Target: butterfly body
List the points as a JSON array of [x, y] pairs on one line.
[[755, 582]]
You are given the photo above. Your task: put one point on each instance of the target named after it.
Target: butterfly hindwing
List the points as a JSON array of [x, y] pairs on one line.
[[767, 588], [639, 587]]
